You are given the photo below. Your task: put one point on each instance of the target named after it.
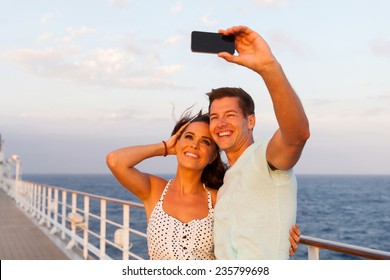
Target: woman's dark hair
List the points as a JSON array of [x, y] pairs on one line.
[[213, 173]]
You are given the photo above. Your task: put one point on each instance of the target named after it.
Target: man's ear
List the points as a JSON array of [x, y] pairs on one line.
[[251, 121]]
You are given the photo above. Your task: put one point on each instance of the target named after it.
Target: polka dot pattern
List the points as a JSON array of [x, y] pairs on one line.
[[171, 239]]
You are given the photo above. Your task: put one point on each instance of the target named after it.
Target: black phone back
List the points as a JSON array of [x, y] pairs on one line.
[[208, 42]]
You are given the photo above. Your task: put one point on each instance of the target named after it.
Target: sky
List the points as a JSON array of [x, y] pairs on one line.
[[82, 78]]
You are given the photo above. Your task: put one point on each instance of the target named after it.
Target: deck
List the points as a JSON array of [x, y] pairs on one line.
[[21, 239]]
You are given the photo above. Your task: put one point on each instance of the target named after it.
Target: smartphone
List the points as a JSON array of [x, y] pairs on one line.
[[208, 42]]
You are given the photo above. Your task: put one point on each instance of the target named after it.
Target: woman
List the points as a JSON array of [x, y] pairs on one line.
[[179, 211]]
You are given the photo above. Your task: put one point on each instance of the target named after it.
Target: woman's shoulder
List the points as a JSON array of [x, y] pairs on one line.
[[157, 185]]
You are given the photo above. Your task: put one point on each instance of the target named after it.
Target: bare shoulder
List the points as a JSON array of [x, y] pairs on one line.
[[157, 186]]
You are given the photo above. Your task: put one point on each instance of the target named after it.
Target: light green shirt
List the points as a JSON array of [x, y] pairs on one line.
[[255, 209]]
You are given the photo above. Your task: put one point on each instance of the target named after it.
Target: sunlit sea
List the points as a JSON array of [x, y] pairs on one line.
[[352, 209]]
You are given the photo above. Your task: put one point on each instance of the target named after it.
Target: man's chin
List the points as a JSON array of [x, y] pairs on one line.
[[224, 146]]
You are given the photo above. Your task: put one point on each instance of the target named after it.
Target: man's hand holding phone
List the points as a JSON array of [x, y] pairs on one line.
[[252, 50]]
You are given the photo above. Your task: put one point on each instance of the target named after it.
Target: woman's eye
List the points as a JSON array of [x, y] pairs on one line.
[[188, 136], [208, 143]]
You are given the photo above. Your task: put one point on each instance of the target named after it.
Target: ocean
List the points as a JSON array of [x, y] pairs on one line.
[[352, 209]]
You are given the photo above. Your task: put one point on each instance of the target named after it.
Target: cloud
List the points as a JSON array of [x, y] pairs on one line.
[[206, 20], [174, 40], [112, 67], [377, 111], [46, 36], [320, 101], [170, 69], [120, 115], [74, 33], [105, 62], [47, 18], [135, 119], [270, 3], [383, 97], [381, 47], [120, 4], [284, 42], [79, 32], [31, 58], [177, 8]]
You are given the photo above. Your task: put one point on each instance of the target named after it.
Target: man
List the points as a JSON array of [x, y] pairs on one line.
[[257, 203]]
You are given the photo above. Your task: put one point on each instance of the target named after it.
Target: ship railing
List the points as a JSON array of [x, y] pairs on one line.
[[315, 244], [85, 222], [81, 219]]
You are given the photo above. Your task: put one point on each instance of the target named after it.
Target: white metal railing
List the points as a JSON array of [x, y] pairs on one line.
[[315, 244], [69, 215]]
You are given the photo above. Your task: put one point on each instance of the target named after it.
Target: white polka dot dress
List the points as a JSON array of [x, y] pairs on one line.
[[171, 239]]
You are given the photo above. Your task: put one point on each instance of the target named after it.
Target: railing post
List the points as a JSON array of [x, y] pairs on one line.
[[63, 218], [34, 201], [313, 253], [72, 241], [39, 199], [29, 196], [54, 208], [43, 205], [49, 195], [103, 204], [86, 225], [17, 181], [126, 233]]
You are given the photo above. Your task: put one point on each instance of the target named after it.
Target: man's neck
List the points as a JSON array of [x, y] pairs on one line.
[[233, 155]]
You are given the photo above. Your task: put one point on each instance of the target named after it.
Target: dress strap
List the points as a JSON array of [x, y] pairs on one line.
[[165, 190], [209, 200]]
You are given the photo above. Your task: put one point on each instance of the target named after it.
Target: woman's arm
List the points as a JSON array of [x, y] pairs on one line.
[[122, 164]]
